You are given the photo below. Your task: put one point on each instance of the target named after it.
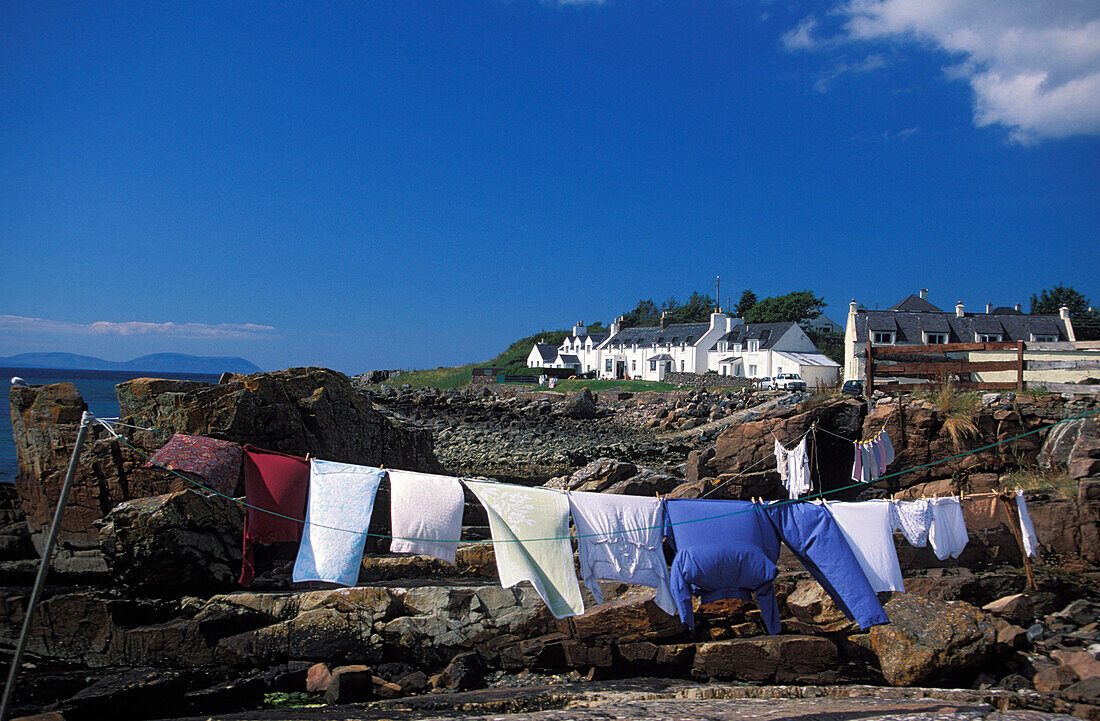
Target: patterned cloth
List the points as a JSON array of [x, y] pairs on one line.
[[341, 498], [913, 519], [217, 464], [530, 529]]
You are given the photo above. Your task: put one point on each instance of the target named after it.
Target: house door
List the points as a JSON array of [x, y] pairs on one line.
[[620, 370]]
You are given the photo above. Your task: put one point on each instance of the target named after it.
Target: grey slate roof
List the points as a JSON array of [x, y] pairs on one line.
[[570, 360], [661, 357], [910, 327], [597, 338], [648, 335], [915, 304], [547, 351], [767, 333]]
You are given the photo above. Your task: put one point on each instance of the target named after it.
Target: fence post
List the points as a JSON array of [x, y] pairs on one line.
[[1019, 366]]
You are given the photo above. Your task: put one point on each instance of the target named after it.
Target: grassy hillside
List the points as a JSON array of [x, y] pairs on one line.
[[513, 358]]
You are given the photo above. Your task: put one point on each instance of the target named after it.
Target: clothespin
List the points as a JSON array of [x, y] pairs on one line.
[[307, 456]]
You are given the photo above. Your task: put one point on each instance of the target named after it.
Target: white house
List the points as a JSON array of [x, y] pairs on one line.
[[649, 352], [724, 345], [542, 355], [762, 350], [915, 321]]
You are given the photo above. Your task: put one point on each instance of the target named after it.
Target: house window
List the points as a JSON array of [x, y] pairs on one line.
[[653, 365], [1039, 338], [736, 347], [754, 346], [882, 336], [752, 371], [607, 365], [935, 338], [723, 370], [633, 365], [989, 337], [681, 366]]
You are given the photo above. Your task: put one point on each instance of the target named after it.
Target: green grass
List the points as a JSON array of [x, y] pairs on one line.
[[596, 386], [435, 378]]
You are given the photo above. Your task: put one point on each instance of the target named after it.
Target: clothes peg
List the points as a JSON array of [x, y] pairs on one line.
[[307, 456]]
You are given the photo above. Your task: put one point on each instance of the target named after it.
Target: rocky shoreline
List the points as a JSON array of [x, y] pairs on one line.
[[143, 617]]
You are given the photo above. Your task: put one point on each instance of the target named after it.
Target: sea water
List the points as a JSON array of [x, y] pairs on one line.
[[97, 388]]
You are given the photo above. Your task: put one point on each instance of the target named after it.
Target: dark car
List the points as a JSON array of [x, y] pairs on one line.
[[852, 388]]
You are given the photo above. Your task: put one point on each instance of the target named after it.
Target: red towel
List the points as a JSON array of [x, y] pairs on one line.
[[276, 482]]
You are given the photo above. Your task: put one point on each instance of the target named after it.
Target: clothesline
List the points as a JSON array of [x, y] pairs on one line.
[[821, 494]]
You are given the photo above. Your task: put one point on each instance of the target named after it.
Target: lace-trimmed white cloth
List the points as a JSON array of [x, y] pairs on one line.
[[913, 519]]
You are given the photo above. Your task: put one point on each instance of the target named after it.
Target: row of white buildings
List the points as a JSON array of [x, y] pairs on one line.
[[726, 345]]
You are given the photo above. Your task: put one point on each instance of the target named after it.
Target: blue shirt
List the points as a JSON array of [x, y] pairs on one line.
[[728, 549]]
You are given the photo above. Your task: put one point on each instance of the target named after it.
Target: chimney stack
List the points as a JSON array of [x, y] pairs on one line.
[[1063, 312], [988, 308], [924, 294], [1017, 307], [664, 320], [960, 310]]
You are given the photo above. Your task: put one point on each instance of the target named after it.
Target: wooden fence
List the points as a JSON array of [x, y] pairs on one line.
[[933, 362]]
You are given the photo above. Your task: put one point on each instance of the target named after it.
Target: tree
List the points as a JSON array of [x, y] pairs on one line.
[[645, 313], [698, 308], [748, 300], [791, 307], [1048, 302]]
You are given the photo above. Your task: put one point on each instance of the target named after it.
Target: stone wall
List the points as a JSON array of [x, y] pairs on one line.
[[706, 380]]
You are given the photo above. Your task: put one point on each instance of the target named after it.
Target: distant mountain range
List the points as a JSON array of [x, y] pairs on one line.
[[159, 362]]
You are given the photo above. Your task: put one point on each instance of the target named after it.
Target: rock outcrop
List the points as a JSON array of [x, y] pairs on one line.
[[930, 640], [299, 410], [182, 542]]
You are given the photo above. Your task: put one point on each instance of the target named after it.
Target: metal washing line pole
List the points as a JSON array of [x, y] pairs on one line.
[[44, 566]]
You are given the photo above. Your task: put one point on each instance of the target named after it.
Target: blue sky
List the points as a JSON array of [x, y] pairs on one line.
[[414, 183]]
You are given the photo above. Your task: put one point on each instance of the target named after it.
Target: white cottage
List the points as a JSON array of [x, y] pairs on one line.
[[651, 352], [762, 350]]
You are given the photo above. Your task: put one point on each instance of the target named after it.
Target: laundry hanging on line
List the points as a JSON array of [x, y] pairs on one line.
[[729, 549], [341, 499], [275, 488], [530, 522], [871, 457], [794, 468], [216, 463]]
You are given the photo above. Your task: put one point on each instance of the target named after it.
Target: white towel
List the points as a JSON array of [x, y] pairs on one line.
[[619, 539], [341, 498], [947, 534], [531, 541], [867, 528], [1031, 541], [425, 514]]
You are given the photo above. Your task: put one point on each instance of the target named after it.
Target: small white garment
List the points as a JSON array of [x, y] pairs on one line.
[[425, 514], [530, 528], [913, 519], [781, 461], [948, 534], [794, 468], [867, 527], [1031, 541], [619, 538], [341, 498]]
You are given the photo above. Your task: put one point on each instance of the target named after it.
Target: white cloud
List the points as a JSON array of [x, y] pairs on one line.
[[243, 331], [801, 36], [1034, 67], [868, 64]]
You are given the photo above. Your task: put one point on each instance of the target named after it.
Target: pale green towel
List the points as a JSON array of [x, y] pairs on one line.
[[516, 516]]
